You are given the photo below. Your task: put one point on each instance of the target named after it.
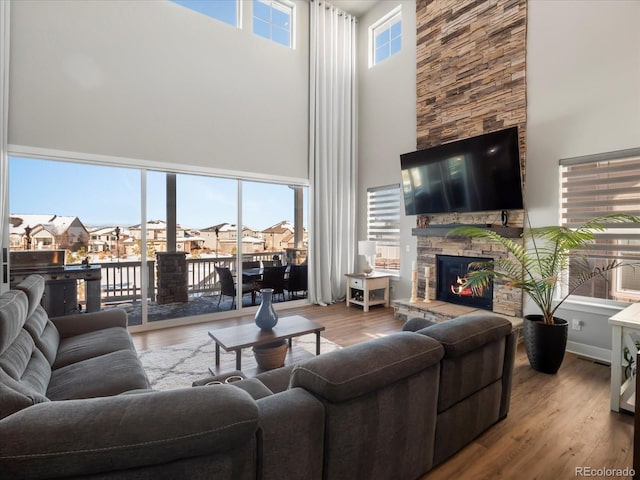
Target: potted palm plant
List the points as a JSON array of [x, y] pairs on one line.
[[536, 265]]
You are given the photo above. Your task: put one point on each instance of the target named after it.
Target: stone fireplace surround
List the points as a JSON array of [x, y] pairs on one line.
[[432, 241], [470, 79]]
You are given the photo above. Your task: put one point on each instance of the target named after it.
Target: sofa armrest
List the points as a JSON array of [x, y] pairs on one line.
[[72, 325], [81, 437], [291, 435]]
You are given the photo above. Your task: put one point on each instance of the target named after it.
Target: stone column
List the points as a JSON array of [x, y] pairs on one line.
[[172, 277]]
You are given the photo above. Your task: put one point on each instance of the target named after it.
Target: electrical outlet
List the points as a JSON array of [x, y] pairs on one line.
[[576, 324]]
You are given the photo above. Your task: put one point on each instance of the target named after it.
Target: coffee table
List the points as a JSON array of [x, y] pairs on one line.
[[244, 336]]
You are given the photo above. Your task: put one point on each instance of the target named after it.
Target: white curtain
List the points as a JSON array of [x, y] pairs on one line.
[[332, 150], [4, 161]]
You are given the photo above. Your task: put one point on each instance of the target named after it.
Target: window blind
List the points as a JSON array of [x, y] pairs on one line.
[[383, 224], [598, 185]]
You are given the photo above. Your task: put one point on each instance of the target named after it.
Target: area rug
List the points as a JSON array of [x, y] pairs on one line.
[[177, 366]]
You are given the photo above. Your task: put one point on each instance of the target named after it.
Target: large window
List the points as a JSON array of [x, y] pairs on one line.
[[227, 11], [168, 246], [383, 225], [598, 185], [385, 37], [273, 19]]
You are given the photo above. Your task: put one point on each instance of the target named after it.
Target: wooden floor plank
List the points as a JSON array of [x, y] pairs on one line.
[[556, 423]]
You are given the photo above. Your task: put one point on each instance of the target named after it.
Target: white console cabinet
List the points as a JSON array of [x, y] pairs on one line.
[[625, 335]]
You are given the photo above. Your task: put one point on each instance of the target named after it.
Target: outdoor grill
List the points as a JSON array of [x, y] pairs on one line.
[[61, 281]]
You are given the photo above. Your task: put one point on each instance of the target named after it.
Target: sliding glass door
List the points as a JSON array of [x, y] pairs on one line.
[[73, 223], [168, 247]]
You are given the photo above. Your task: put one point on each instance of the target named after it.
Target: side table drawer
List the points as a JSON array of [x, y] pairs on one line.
[[356, 283], [375, 283]]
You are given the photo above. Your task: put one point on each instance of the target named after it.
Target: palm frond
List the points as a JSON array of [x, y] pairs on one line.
[[535, 265]]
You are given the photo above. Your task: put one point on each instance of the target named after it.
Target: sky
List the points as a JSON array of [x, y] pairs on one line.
[[100, 195]]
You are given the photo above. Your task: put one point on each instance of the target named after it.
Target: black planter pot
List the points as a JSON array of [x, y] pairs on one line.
[[545, 344]]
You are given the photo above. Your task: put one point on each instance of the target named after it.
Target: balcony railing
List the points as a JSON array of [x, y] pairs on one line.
[[122, 280]]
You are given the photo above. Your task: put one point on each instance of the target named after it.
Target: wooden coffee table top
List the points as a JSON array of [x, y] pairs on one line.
[[243, 336]]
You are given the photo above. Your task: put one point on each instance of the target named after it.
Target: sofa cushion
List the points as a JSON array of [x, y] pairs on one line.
[[13, 314], [14, 396], [77, 324], [102, 376], [23, 362], [129, 432], [33, 287], [92, 344], [44, 333], [347, 373]]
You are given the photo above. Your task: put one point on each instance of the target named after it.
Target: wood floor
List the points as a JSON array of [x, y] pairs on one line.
[[557, 423]]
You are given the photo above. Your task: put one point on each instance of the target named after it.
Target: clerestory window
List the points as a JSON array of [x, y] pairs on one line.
[[227, 11], [385, 37], [274, 20]]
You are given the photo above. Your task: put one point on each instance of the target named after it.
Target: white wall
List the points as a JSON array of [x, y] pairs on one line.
[[583, 97], [583, 89], [387, 124], [154, 81]]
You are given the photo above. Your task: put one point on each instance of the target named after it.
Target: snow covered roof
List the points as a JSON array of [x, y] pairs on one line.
[[55, 224]]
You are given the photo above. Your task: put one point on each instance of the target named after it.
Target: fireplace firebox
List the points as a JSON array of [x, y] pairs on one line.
[[451, 274]]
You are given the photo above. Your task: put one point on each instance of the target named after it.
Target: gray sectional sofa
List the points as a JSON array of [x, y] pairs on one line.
[[75, 403]]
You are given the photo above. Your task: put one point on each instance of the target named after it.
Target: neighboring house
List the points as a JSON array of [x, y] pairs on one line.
[[281, 236], [186, 239], [211, 237], [47, 232], [277, 236], [105, 239], [222, 239]]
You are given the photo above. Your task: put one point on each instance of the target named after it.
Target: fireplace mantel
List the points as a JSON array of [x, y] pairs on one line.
[[443, 230]]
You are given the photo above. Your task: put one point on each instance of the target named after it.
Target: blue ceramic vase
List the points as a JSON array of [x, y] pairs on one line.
[[266, 316]]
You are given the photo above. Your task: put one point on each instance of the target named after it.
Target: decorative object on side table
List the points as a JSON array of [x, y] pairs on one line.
[[536, 266], [266, 316], [367, 248]]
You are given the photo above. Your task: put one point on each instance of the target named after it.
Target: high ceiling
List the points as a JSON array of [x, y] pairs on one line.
[[355, 7]]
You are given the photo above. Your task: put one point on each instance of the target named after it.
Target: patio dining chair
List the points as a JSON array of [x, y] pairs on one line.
[[297, 281], [273, 277], [228, 286]]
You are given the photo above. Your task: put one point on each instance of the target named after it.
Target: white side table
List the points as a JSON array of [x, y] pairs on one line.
[[625, 332], [372, 289]]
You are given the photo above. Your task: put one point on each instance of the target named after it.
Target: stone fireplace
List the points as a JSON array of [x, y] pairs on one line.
[[434, 243], [451, 273], [460, 96]]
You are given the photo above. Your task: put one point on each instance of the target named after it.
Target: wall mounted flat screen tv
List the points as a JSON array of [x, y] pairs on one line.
[[471, 175]]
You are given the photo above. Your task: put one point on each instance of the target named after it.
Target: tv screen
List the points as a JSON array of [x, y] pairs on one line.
[[471, 175]]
